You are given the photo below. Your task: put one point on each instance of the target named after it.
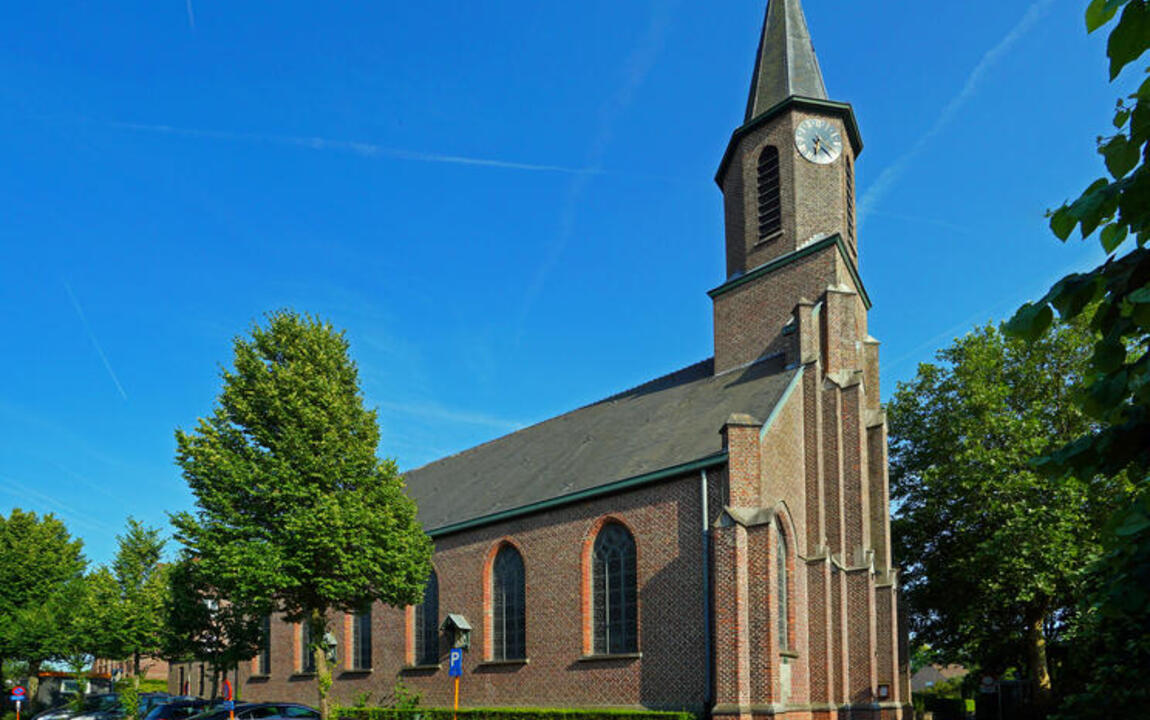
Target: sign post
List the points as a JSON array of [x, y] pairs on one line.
[[455, 669], [18, 697], [229, 703]]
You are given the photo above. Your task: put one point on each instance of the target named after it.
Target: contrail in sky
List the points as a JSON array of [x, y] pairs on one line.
[[359, 148], [636, 68], [191, 16], [889, 176], [95, 342], [26, 493]]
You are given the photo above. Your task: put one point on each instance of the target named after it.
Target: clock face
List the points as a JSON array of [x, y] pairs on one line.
[[818, 141]]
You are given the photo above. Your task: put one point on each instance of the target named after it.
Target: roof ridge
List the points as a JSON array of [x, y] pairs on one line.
[[650, 383]]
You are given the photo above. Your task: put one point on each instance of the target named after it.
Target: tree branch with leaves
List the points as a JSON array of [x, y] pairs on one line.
[[1115, 298], [294, 508]]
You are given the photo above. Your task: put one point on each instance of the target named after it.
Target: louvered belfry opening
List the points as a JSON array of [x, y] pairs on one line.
[[614, 597], [427, 624], [508, 606], [770, 196], [851, 202]]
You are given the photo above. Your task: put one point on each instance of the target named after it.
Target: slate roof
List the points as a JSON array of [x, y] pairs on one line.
[[786, 64], [662, 424]]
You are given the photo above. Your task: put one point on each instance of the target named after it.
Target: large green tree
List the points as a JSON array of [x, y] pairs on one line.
[[294, 508], [39, 560], [142, 589], [994, 552], [202, 624], [1115, 298]]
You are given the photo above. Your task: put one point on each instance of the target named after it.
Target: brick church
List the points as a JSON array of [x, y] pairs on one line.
[[716, 540]]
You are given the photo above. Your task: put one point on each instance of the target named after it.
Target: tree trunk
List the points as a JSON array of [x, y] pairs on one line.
[[33, 680], [318, 623], [136, 667], [1039, 672]]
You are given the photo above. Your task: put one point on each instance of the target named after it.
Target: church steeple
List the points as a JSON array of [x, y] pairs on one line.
[[786, 65], [789, 200]]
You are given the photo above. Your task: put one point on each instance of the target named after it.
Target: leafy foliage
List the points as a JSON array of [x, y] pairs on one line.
[[1115, 297], [203, 625], [141, 588], [993, 551], [294, 509], [129, 698], [43, 570]]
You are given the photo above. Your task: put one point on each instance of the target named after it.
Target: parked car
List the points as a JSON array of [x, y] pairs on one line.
[[92, 704], [263, 711], [106, 706], [179, 708], [150, 700]]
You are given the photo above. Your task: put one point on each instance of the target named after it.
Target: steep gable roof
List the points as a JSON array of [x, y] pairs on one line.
[[668, 422]]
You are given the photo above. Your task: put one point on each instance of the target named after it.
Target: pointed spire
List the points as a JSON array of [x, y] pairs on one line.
[[786, 64]]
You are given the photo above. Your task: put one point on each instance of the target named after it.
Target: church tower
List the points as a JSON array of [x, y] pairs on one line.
[[788, 188], [806, 590]]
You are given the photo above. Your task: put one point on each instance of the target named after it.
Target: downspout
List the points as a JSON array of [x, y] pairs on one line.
[[709, 674]]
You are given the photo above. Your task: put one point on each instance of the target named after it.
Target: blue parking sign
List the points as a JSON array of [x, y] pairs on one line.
[[455, 662]]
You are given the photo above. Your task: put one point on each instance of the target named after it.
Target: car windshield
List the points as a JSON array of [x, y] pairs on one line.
[[147, 702], [101, 702], [173, 709]]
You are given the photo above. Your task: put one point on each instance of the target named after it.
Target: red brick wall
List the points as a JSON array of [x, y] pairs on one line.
[[749, 319], [813, 196], [150, 667], [665, 519]]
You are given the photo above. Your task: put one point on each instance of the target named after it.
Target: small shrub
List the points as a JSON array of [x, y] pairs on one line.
[[404, 697], [362, 699], [129, 698], [396, 713], [153, 685]]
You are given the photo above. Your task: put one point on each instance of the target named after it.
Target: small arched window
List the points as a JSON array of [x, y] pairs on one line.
[[361, 640], [264, 660], [307, 651], [427, 624], [770, 196], [614, 596], [783, 589], [508, 606]]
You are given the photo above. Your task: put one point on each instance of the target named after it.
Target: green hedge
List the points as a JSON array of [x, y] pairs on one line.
[[358, 713]]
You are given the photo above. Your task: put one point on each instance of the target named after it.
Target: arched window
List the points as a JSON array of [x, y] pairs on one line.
[[783, 589], [508, 606], [770, 198], [613, 592], [361, 640], [427, 624], [307, 652], [264, 664]]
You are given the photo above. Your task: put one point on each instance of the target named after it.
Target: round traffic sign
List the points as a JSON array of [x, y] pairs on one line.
[[18, 690]]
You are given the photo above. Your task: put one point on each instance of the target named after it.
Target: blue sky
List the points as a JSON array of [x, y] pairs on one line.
[[509, 206]]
